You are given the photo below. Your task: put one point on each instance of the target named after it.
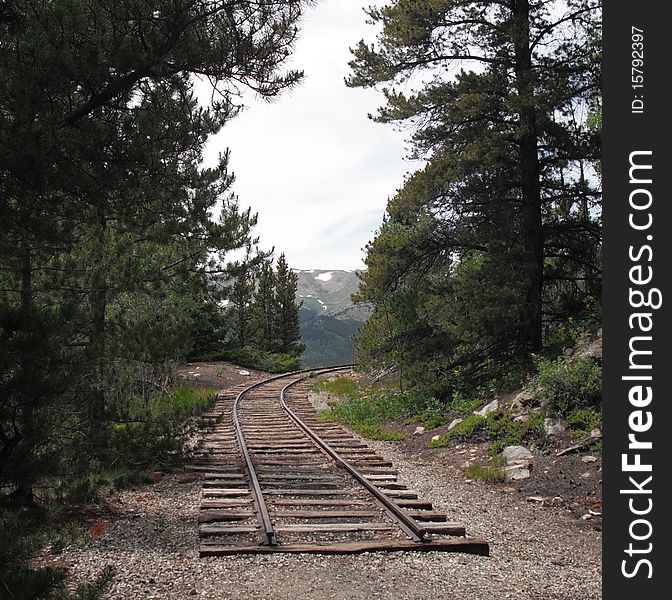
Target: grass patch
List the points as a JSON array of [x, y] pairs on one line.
[[345, 387], [490, 471], [22, 534], [364, 411]]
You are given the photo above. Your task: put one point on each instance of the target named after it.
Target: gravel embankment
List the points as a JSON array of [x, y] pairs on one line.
[[537, 553]]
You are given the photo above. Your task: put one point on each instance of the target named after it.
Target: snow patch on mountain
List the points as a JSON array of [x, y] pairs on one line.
[[324, 276]]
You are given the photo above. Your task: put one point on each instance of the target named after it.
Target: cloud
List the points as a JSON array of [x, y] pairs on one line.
[[316, 170]]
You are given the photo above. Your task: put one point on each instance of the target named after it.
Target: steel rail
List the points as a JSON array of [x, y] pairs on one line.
[[407, 524], [269, 538]]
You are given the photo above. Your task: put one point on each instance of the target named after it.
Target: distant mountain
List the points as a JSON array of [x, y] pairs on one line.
[[323, 291], [328, 317]]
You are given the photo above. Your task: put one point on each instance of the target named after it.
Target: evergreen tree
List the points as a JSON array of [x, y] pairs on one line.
[[287, 327], [242, 297], [510, 126], [105, 208], [265, 309]]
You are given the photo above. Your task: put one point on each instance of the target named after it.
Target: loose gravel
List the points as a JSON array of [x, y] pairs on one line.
[[536, 553]]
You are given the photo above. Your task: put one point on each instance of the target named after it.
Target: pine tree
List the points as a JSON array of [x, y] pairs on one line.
[[265, 309], [535, 77], [287, 327], [105, 209]]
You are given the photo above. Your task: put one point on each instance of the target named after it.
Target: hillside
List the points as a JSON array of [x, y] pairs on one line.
[[328, 317]]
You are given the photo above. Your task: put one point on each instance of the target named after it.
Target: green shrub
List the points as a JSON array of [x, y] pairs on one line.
[[462, 431], [140, 437], [460, 406], [491, 471], [567, 385], [257, 359], [583, 420], [507, 432]]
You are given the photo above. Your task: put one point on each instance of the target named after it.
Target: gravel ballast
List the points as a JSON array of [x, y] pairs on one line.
[[537, 553]]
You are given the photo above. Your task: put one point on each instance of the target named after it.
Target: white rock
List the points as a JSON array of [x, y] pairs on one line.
[[515, 472], [585, 475], [595, 433], [454, 423], [514, 454], [246, 373], [523, 399], [436, 438], [554, 426], [419, 431], [488, 408], [588, 459]]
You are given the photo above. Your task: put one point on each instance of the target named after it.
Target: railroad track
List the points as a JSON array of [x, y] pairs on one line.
[[276, 479]]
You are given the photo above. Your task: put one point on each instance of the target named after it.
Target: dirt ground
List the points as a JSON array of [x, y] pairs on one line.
[[220, 375]]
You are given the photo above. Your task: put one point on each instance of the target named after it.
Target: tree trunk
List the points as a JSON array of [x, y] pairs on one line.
[[533, 241], [98, 307], [24, 492]]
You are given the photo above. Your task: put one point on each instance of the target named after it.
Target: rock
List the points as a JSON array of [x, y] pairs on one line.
[[516, 472], [588, 459], [554, 426], [521, 418], [539, 499], [523, 399], [595, 434], [515, 454], [419, 431], [586, 517], [436, 438], [488, 408], [454, 424], [585, 475], [245, 373], [594, 350]]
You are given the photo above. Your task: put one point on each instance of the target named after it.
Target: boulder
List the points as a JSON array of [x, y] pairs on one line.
[[516, 472], [516, 454], [523, 399], [488, 408], [594, 350], [554, 426]]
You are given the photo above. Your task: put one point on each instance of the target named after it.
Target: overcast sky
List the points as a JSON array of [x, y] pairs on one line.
[[311, 164]]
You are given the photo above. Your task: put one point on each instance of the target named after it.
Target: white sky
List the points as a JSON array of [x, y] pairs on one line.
[[311, 164]]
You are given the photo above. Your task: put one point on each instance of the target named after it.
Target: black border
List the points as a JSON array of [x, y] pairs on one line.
[[623, 133]]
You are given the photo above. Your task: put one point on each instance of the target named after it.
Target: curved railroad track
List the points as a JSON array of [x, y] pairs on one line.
[[276, 479]]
